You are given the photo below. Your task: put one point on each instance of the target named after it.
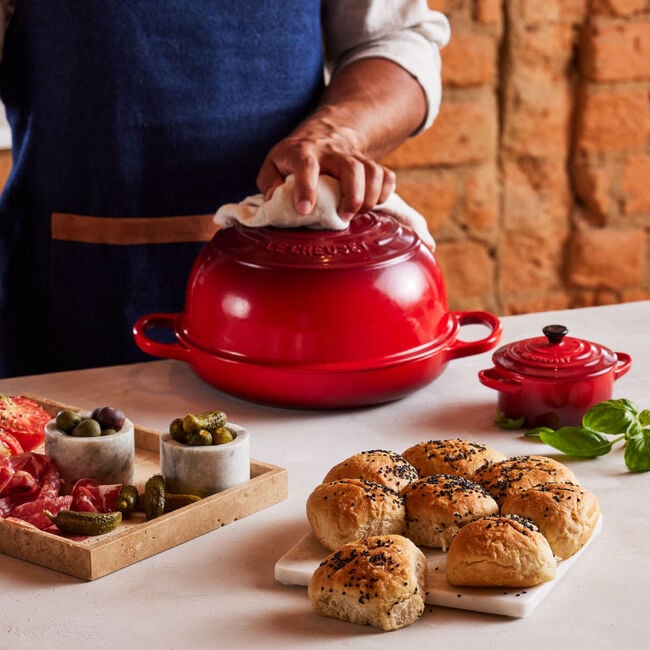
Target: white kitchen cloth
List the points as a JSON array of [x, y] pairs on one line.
[[279, 210]]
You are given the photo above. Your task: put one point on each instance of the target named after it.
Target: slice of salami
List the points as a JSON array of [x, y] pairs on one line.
[[88, 495], [33, 512], [6, 472]]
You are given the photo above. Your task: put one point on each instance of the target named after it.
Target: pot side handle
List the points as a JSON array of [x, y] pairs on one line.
[[460, 348], [158, 348], [492, 379], [623, 363]]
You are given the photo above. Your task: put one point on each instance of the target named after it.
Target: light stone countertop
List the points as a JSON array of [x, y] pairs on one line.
[[218, 591]]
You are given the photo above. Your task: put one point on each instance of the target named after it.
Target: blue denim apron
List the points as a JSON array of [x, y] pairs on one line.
[[132, 123]]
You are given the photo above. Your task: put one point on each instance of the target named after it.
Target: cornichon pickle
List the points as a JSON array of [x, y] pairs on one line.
[[210, 420], [199, 438], [127, 499], [85, 523], [222, 435], [154, 497], [176, 501]]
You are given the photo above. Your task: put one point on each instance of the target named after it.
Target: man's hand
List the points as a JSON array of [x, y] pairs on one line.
[[369, 108]]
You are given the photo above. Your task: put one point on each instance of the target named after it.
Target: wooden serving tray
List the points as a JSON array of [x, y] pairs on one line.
[[137, 539]]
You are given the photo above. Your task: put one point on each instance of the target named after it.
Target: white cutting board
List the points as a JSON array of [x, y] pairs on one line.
[[299, 563]]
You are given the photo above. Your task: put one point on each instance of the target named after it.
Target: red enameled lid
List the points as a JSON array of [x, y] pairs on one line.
[[555, 355], [370, 239]]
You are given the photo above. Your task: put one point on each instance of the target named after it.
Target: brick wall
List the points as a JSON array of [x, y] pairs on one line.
[[535, 178]]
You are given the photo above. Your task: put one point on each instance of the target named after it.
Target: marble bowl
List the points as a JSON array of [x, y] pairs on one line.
[[108, 459], [205, 470]]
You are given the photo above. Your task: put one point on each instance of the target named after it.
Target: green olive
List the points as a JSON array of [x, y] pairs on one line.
[[87, 428], [176, 430], [66, 420]]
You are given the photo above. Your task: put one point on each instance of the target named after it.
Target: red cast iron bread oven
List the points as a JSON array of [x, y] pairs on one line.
[[317, 319]]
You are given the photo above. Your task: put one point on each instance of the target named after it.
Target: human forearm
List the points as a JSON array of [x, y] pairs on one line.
[[369, 107], [377, 100], [383, 57]]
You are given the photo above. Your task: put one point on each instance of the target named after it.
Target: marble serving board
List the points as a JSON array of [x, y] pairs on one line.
[[299, 563], [137, 539]]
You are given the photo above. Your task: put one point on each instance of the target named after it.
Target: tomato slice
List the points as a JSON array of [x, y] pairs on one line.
[[24, 419], [9, 446]]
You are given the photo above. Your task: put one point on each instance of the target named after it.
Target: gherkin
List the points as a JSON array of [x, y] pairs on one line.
[[210, 420]]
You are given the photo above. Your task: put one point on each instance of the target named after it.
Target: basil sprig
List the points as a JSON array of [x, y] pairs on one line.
[[615, 417]]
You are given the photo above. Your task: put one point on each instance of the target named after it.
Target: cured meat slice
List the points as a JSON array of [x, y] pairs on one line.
[[33, 512], [6, 472], [88, 495]]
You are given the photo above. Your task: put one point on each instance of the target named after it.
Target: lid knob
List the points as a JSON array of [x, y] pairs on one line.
[[555, 333]]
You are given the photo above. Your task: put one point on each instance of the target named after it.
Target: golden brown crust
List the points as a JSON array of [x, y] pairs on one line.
[[378, 581], [349, 509], [565, 513], [438, 506], [500, 551], [520, 473], [377, 465], [452, 456]]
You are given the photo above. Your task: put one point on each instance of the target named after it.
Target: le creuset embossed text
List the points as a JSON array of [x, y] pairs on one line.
[[311, 318]]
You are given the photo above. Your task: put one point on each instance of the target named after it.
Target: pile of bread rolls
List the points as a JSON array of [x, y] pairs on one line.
[[504, 522]]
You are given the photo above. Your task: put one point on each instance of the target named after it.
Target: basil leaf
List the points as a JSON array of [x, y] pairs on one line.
[[508, 423], [577, 442], [612, 417], [536, 433], [644, 418], [637, 451]]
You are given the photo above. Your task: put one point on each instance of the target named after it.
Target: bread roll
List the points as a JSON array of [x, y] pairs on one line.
[[379, 466], [521, 472], [564, 512], [500, 551], [437, 506], [378, 581], [453, 456], [349, 509]]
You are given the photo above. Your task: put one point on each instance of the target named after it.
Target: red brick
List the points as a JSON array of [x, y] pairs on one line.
[[468, 60], [607, 258], [594, 186], [612, 121], [530, 261], [481, 199], [618, 51], [438, 5], [489, 12], [431, 192], [633, 295], [617, 7], [536, 12], [464, 132], [536, 196], [468, 271], [549, 48], [636, 184], [5, 166], [537, 113], [530, 302]]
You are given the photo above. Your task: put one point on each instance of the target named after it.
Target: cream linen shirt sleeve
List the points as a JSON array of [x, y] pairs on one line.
[[406, 32]]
